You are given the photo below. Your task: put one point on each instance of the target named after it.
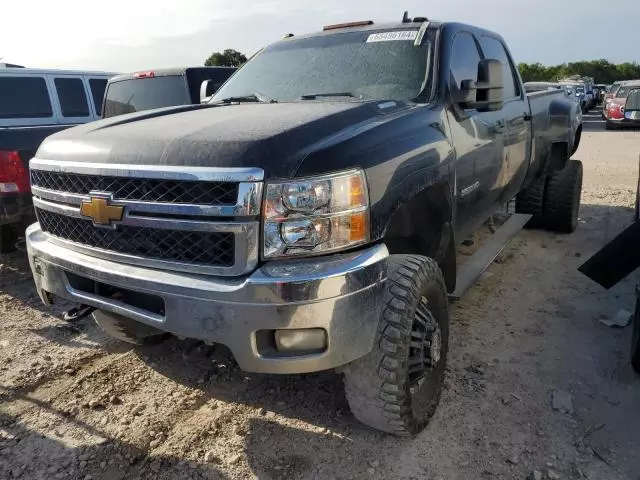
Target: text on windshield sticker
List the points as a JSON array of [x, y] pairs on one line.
[[393, 36]]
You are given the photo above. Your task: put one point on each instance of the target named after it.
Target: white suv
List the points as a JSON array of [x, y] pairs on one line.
[[33, 105]]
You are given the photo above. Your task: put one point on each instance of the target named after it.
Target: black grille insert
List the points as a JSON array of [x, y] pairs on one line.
[[140, 189], [210, 248]]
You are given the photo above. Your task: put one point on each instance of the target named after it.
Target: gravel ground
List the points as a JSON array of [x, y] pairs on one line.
[[76, 405]]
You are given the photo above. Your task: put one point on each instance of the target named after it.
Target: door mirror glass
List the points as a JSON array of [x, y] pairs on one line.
[[485, 95], [207, 89]]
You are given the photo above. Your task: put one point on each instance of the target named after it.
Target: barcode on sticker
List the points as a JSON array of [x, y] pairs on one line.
[[393, 36]]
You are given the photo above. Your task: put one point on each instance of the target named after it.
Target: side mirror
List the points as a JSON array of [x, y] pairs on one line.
[[207, 88], [485, 95]]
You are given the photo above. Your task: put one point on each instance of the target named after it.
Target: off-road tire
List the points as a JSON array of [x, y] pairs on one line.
[[414, 323], [531, 201], [562, 198], [8, 238], [128, 330]]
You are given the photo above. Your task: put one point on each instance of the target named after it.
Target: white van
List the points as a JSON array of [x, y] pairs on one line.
[[50, 97], [33, 105]]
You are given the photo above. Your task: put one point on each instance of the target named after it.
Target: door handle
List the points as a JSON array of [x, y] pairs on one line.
[[527, 117]]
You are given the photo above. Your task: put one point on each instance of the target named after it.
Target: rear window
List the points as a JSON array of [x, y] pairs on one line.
[[138, 94], [24, 97], [73, 100], [97, 86]]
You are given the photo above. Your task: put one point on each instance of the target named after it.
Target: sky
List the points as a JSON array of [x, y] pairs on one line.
[[129, 35]]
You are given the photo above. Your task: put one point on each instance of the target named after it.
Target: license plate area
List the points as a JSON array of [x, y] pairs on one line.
[[144, 301], [632, 114]]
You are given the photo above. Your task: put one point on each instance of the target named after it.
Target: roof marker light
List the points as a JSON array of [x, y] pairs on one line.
[[347, 25], [149, 74]]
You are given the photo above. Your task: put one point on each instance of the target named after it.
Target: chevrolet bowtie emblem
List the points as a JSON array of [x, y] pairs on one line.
[[99, 210]]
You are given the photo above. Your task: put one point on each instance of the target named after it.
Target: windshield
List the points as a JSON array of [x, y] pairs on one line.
[[622, 92], [137, 94], [633, 100], [345, 66]]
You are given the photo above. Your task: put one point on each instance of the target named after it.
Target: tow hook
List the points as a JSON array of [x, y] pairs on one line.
[[78, 313]]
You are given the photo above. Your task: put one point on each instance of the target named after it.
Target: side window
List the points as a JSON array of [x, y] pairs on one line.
[[24, 97], [73, 100], [97, 86], [494, 49], [464, 59]]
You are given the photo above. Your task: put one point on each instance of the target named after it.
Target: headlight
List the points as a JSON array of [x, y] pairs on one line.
[[315, 215]]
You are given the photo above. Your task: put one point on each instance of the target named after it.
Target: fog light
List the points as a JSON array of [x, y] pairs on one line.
[[301, 340]]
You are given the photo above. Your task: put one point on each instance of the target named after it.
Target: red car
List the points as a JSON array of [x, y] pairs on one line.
[[623, 109]]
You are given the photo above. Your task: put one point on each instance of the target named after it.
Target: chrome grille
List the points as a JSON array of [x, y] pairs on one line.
[[140, 189], [212, 248], [202, 220]]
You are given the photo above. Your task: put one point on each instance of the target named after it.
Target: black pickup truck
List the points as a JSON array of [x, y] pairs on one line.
[[307, 217]]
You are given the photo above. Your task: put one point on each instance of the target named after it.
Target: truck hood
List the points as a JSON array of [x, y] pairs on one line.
[[274, 137]]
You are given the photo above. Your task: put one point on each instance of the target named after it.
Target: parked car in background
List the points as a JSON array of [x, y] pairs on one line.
[[602, 90], [584, 89], [577, 91], [616, 114], [33, 105], [610, 93], [308, 216], [167, 87]]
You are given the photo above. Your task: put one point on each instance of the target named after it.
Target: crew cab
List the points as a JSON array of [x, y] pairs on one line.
[[35, 103], [166, 87], [308, 216]]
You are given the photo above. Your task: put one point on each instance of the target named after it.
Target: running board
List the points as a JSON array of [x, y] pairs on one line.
[[487, 253]]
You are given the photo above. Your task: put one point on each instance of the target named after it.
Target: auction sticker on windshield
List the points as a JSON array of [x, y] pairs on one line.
[[392, 36]]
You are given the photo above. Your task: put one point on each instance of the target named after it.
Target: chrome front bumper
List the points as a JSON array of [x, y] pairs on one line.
[[341, 294]]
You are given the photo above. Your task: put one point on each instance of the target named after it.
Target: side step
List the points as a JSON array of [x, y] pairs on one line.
[[487, 253]]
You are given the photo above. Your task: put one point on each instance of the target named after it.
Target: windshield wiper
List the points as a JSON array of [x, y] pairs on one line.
[[253, 97], [313, 96]]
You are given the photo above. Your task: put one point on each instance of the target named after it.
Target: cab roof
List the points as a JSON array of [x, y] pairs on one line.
[[363, 28], [163, 72]]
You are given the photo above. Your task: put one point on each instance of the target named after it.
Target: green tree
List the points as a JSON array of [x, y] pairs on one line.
[[602, 71], [228, 58]]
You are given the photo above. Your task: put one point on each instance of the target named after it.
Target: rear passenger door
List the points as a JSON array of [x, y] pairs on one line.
[[71, 99], [517, 115], [478, 139]]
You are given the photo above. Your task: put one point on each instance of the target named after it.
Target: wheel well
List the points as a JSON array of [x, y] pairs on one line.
[[558, 157], [576, 140], [422, 226]]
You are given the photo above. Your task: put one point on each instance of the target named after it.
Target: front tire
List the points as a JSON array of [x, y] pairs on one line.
[[562, 198], [396, 387]]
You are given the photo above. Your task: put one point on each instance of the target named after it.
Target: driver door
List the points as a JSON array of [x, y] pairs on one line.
[[478, 139]]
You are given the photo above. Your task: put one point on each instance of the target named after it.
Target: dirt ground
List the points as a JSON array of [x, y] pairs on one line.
[[77, 405]]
